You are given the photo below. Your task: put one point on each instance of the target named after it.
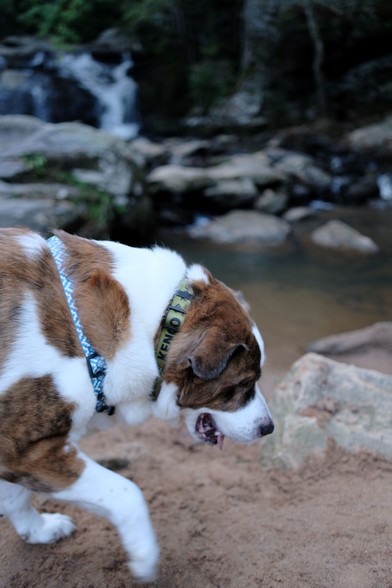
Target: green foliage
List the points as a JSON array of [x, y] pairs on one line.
[[36, 164], [142, 12], [101, 207], [153, 22], [67, 21], [208, 81]]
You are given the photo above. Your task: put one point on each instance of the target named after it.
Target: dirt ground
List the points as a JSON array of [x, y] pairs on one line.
[[223, 521]]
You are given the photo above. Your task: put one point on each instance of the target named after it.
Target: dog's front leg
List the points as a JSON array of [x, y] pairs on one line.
[[110, 495]]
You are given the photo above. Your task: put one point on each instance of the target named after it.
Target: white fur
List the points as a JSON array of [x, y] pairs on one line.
[[165, 407], [33, 357], [33, 527], [242, 426], [32, 244], [112, 496], [260, 341], [197, 273]]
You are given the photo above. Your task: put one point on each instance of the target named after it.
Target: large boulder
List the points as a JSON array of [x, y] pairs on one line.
[[40, 214], [320, 401], [253, 166], [229, 194], [240, 226], [22, 134], [301, 167], [178, 179], [336, 234]]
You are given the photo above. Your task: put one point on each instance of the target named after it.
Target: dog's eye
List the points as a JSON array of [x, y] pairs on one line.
[[245, 383]]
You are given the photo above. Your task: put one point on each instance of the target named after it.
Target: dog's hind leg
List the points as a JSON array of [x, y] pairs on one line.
[[116, 498], [33, 527]]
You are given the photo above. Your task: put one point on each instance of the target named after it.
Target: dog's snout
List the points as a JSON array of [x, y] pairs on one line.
[[266, 428]]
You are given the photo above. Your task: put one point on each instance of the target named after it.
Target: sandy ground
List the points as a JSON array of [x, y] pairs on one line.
[[223, 521]]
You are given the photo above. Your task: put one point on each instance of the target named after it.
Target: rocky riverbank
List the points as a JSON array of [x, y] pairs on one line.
[[76, 177]]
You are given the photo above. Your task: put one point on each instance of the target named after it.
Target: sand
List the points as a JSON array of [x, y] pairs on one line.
[[223, 521]]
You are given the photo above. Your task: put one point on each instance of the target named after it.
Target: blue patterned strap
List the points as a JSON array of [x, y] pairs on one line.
[[96, 363]]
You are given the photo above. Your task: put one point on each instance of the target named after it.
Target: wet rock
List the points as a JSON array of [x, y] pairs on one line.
[[376, 137], [300, 167], [299, 213], [113, 174], [255, 166], [313, 138], [272, 201], [230, 194], [182, 150], [243, 226], [147, 153], [24, 51], [362, 190], [11, 167], [384, 185], [40, 214], [320, 400], [111, 41], [336, 234], [38, 190], [178, 179], [370, 347], [22, 134], [377, 336]]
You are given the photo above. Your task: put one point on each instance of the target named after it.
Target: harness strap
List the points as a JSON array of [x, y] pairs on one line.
[[96, 364]]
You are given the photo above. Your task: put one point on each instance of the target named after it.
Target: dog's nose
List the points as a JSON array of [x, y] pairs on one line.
[[266, 428]]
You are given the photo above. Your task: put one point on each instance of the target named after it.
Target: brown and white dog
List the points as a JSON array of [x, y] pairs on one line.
[[47, 403]]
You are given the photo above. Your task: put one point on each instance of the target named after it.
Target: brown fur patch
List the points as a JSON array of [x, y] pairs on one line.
[[215, 358], [35, 423], [21, 273], [100, 299]]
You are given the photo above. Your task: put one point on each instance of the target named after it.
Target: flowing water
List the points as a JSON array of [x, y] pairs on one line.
[[57, 87], [114, 90], [300, 292]]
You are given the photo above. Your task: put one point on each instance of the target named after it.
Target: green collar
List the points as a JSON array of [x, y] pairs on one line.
[[171, 323]]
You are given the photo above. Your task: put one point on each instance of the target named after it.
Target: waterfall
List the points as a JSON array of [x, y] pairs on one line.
[[114, 90], [54, 86]]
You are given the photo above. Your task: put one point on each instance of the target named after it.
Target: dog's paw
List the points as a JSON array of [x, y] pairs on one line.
[[144, 567], [50, 528]]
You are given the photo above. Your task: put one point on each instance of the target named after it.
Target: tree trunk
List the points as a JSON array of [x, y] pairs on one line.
[[260, 35], [318, 56]]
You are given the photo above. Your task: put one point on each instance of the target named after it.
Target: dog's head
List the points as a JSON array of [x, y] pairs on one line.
[[214, 364]]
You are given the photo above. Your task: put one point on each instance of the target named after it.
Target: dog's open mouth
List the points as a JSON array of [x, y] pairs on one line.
[[207, 431]]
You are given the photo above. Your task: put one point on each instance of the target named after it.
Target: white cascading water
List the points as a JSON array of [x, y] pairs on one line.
[[114, 90]]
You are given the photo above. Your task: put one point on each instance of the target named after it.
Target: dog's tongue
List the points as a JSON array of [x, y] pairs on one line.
[[220, 439]]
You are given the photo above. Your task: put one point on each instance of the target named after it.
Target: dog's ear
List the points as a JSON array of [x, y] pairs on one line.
[[239, 296], [212, 355]]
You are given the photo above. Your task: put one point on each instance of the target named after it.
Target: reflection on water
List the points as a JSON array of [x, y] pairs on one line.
[[301, 293]]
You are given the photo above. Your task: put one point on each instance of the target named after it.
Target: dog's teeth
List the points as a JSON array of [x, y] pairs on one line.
[[220, 440]]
